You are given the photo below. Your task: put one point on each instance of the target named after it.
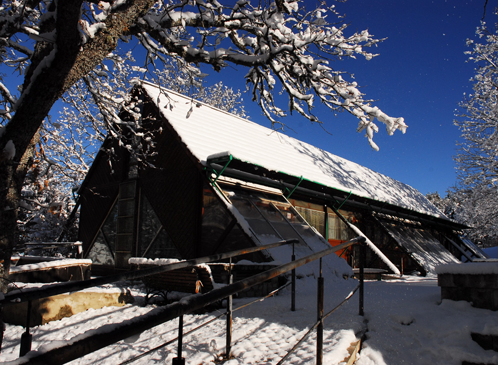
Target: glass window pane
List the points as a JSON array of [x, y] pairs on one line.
[[314, 218], [100, 254], [254, 218], [338, 230], [333, 227], [109, 228], [270, 216], [163, 247], [296, 221], [269, 212], [215, 220], [236, 239], [149, 226]]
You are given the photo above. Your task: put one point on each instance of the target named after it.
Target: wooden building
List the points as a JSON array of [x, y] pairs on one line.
[[214, 182]]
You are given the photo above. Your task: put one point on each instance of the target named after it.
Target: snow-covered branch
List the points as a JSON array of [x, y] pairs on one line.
[[477, 157]]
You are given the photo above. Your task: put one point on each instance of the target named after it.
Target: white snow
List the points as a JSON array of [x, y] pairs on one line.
[[146, 261], [208, 132], [407, 324], [50, 264], [472, 268]]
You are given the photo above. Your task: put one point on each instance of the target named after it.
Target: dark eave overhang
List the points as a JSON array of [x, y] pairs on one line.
[[235, 168]]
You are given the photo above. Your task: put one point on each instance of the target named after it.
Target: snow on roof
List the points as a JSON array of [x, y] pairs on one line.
[[208, 131]]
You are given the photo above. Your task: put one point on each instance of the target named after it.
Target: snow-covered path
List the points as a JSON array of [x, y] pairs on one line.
[[407, 324]]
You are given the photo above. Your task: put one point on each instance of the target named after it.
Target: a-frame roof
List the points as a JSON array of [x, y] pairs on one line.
[[208, 131]]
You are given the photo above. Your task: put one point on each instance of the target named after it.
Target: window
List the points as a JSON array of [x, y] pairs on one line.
[[153, 241], [104, 246], [270, 216]]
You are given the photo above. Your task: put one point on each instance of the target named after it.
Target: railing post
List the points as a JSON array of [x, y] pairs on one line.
[[363, 251], [179, 360], [319, 314], [26, 337], [229, 315], [293, 285]]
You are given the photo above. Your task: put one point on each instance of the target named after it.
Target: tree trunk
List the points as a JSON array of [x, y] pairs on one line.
[[54, 68]]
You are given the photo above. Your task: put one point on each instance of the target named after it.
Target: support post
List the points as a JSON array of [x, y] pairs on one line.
[[229, 315], [319, 330], [26, 337], [179, 360], [363, 251], [293, 285]]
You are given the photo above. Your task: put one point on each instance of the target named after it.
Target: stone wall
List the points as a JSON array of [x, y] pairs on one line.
[[64, 305], [479, 289]]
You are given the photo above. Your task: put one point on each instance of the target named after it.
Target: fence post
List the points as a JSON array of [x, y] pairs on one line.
[[26, 337], [319, 314], [229, 315], [363, 250], [179, 360], [293, 285]]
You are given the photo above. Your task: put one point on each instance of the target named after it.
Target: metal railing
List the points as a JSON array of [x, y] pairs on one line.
[[110, 334], [48, 291], [29, 295]]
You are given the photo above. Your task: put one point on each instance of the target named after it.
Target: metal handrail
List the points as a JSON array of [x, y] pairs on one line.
[[315, 326], [137, 357], [51, 290], [109, 334]]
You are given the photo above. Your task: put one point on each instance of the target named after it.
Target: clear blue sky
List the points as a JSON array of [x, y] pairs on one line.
[[420, 74]]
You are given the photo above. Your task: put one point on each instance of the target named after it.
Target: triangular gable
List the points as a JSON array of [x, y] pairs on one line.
[[207, 131]]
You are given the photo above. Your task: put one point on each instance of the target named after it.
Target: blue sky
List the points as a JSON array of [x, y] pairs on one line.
[[420, 74]]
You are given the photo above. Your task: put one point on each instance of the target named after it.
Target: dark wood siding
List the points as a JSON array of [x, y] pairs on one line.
[[172, 181], [173, 186]]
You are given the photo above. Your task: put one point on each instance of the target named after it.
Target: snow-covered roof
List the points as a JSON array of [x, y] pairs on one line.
[[208, 131]]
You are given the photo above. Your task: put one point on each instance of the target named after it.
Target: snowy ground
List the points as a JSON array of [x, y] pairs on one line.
[[407, 324]]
